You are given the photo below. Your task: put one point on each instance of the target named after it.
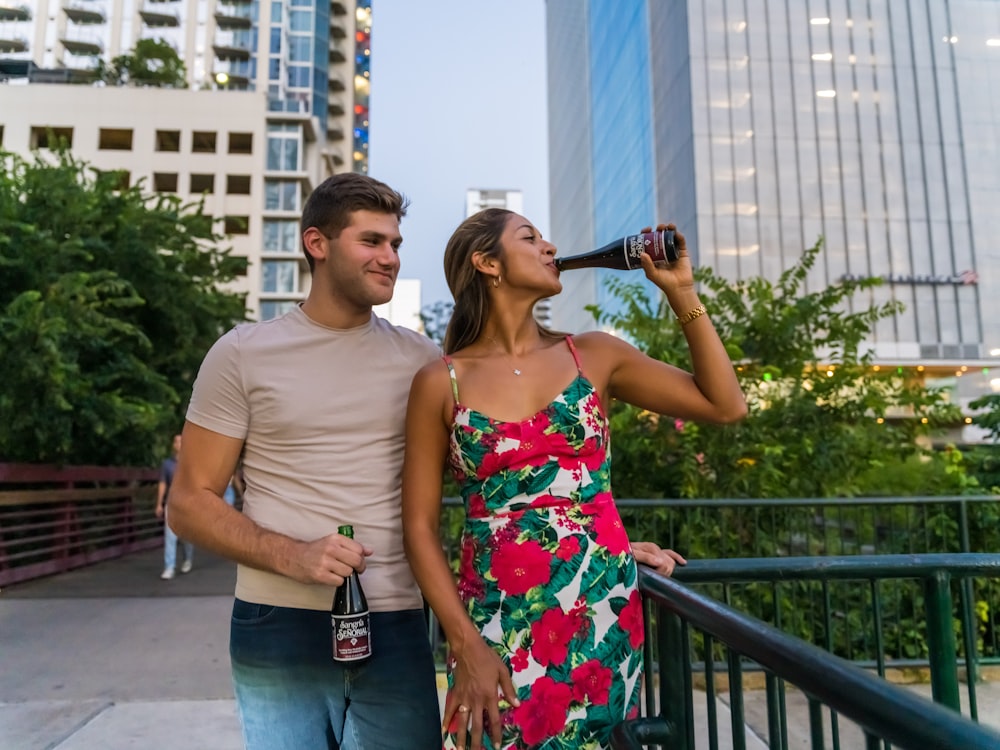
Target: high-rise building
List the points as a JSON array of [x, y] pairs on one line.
[[276, 100], [759, 126]]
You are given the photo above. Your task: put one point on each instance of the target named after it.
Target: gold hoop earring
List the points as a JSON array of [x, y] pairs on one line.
[[496, 282]]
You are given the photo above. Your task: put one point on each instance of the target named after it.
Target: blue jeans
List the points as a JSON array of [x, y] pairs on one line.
[[170, 546], [291, 695]]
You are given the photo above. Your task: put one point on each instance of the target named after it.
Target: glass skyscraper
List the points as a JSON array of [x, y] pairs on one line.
[[759, 126]]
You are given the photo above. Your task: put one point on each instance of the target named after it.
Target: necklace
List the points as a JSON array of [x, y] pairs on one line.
[[515, 370]]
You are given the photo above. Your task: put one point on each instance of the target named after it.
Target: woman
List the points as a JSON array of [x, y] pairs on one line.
[[545, 627]]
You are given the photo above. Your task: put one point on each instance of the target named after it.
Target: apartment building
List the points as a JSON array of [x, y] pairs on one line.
[[276, 100]]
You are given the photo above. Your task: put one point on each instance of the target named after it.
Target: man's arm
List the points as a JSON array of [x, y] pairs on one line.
[[161, 493], [199, 514]]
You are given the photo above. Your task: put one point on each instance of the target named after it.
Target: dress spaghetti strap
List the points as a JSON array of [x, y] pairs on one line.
[[454, 378], [576, 357]]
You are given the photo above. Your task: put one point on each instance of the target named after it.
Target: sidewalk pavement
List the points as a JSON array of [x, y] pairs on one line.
[[109, 657]]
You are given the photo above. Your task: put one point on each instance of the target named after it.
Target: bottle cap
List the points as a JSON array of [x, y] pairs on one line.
[[347, 531]]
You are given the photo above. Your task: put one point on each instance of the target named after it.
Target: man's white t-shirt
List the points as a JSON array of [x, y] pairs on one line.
[[322, 413]]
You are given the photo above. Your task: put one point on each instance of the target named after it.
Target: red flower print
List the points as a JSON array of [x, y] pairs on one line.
[[568, 547], [519, 661], [543, 715], [610, 531], [520, 567], [470, 585], [631, 621], [477, 506], [550, 636], [493, 463], [591, 681]]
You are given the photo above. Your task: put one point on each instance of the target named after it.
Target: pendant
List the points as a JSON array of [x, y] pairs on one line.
[[516, 371]]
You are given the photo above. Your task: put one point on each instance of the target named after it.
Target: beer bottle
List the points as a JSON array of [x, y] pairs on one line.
[[352, 633], [623, 254]]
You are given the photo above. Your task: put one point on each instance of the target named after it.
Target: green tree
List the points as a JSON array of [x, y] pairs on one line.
[[823, 422], [109, 300], [988, 416], [152, 62]]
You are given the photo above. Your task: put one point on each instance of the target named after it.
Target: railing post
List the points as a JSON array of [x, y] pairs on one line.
[[675, 679], [968, 616], [941, 641]]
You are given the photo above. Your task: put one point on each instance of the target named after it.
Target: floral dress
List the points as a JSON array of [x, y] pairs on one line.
[[547, 573]]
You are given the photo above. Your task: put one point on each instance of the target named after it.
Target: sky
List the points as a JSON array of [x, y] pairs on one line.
[[458, 101]]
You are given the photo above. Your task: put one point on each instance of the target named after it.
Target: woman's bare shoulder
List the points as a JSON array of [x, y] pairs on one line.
[[597, 341]]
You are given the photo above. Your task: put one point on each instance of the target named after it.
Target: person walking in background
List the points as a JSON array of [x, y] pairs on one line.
[[167, 469], [314, 401], [545, 626]]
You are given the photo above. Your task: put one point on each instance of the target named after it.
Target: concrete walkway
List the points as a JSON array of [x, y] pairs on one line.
[[110, 657]]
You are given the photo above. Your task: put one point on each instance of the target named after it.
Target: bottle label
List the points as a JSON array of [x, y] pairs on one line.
[[351, 636], [659, 246]]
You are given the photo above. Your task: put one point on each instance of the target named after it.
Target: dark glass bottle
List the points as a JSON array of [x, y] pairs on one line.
[[352, 631], [623, 254]]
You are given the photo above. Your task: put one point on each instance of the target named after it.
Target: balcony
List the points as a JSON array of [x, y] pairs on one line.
[[90, 47], [11, 12], [12, 43], [159, 18], [234, 49], [335, 107], [338, 8], [337, 30], [231, 17], [335, 133], [336, 83], [231, 74], [84, 13], [337, 52]]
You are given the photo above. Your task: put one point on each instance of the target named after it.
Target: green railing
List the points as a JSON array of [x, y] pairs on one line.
[[686, 630], [795, 527]]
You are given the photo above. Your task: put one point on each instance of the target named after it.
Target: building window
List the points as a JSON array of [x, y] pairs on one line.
[[238, 184], [48, 137], [203, 142], [301, 20], [281, 195], [241, 143], [281, 236], [165, 182], [298, 76], [283, 152], [115, 139], [279, 276], [168, 140], [236, 225], [203, 183], [270, 310]]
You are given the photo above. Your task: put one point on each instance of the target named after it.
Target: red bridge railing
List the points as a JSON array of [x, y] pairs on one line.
[[54, 519]]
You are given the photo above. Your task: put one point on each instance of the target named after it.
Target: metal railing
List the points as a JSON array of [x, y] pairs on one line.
[[55, 519], [686, 629]]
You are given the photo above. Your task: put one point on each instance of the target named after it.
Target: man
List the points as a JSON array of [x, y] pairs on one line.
[[314, 404], [167, 470]]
